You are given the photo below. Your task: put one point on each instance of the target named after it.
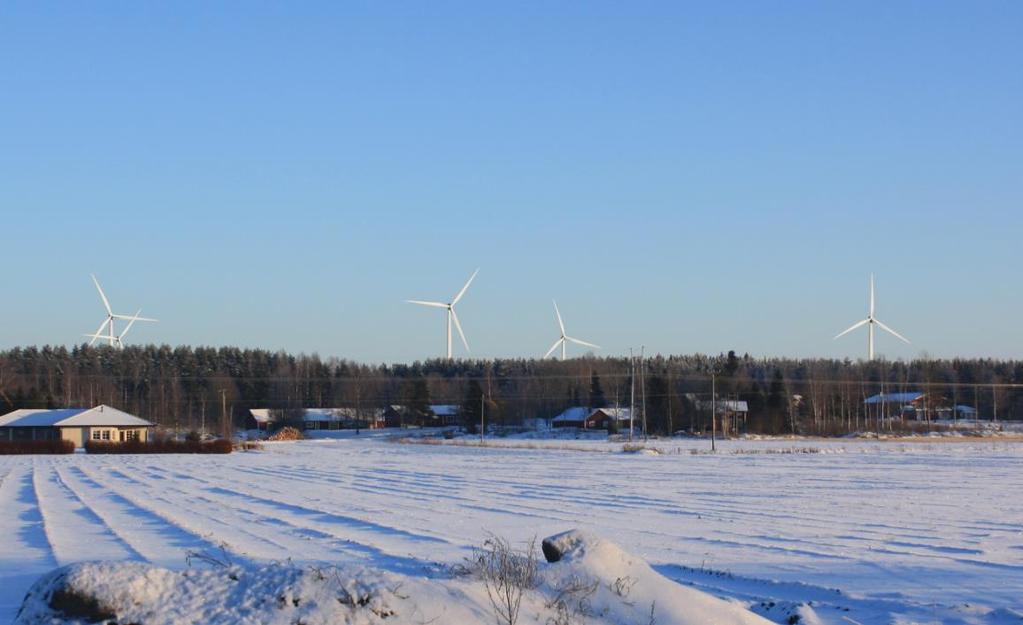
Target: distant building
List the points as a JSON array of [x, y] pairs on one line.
[[591, 419], [731, 413], [78, 425], [908, 405], [574, 417], [602, 418], [446, 414], [322, 418]]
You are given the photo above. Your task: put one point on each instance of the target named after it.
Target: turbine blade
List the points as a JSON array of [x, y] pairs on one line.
[[553, 347], [890, 331], [421, 303], [96, 335], [454, 316], [872, 295], [560, 322], [578, 342], [465, 288], [128, 327], [853, 327], [133, 318], [102, 295]]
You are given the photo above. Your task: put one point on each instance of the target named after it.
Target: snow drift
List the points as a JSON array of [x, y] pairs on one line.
[[588, 579]]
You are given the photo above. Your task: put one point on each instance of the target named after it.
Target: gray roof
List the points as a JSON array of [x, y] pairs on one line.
[[575, 413], [894, 398], [99, 416]]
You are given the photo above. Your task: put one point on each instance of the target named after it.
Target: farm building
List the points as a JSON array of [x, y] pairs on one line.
[[918, 406], [591, 419], [731, 413], [78, 425], [321, 418], [574, 417]]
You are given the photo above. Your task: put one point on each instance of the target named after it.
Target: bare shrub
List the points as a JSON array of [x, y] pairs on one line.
[[506, 574], [571, 601]]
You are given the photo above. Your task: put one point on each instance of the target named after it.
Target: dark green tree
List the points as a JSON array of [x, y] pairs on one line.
[[597, 399]]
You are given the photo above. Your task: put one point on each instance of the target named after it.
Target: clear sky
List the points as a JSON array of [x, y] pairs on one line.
[[689, 178]]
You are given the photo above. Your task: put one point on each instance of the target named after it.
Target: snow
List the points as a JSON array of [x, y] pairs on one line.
[[615, 587], [872, 531]]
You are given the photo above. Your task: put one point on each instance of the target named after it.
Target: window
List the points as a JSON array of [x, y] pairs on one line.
[[131, 435], [106, 435], [95, 435]]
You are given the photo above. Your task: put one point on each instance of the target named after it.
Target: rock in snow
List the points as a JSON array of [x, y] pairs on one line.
[[589, 580]]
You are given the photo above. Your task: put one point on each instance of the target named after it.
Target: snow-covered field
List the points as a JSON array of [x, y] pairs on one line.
[[863, 532]]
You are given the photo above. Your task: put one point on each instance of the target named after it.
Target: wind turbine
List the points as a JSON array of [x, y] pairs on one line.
[[450, 306], [565, 339], [871, 321], [112, 339]]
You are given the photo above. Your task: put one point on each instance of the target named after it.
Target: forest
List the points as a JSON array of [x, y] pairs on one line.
[[179, 387]]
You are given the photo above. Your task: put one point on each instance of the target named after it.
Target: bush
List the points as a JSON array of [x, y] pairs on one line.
[[11, 448], [506, 574], [219, 446]]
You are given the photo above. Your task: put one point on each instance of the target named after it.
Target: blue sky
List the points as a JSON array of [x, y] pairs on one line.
[[686, 178]]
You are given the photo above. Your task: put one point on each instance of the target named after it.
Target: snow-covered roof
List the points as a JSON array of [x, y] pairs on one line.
[[72, 417], [444, 410], [262, 415], [896, 398], [575, 413], [619, 414]]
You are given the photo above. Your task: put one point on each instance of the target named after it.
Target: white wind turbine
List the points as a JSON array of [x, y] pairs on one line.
[[871, 321], [113, 339], [565, 339], [450, 306]]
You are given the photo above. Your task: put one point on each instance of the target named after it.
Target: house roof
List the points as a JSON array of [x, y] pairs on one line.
[[72, 417], [444, 410], [262, 415], [619, 414], [896, 398], [575, 413]]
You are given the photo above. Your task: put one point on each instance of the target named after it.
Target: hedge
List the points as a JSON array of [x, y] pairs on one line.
[[219, 446], [36, 447]]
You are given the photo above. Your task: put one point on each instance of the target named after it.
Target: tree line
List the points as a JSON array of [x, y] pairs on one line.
[[180, 387]]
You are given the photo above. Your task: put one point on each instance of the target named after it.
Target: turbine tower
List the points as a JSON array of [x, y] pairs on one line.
[[870, 322], [565, 339], [452, 316], [113, 339]]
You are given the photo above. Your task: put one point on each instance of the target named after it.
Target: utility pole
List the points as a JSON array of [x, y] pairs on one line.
[[482, 420], [671, 430], [632, 392], [994, 404], [642, 385], [713, 412], [203, 428]]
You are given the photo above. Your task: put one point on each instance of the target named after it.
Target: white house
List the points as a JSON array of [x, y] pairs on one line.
[[78, 425]]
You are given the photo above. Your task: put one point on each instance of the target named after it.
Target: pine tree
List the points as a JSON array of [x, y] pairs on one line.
[[597, 399]]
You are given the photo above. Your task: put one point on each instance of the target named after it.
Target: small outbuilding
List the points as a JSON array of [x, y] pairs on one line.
[[78, 425]]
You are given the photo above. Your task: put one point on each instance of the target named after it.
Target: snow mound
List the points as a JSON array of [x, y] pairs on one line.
[[628, 589], [590, 580]]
